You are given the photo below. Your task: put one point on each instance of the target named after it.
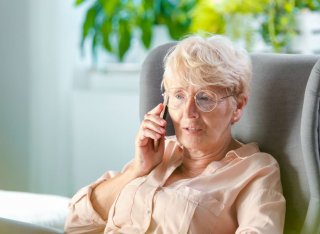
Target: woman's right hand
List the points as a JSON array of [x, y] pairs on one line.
[[152, 128], [146, 158]]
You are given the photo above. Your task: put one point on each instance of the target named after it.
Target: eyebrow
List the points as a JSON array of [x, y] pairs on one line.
[[217, 90]]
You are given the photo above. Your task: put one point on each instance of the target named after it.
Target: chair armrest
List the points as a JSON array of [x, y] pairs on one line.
[[16, 227]]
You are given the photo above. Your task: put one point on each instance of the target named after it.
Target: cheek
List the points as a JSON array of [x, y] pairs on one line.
[[218, 122], [174, 115], [176, 119]]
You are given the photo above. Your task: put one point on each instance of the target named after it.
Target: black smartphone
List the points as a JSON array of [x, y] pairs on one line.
[[163, 115]]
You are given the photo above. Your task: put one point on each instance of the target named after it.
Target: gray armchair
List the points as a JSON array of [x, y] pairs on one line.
[[282, 116]]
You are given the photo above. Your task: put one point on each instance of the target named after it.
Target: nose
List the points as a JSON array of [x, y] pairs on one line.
[[190, 109]]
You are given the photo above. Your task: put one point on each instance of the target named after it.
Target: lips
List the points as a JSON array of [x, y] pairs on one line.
[[192, 129]]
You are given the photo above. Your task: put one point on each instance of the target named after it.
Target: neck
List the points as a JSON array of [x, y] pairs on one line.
[[195, 162]]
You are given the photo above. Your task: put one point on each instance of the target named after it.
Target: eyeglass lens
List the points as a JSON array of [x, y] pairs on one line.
[[205, 100]]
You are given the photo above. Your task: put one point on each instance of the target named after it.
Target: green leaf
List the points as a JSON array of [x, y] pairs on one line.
[[147, 4], [157, 7], [79, 2], [146, 25], [88, 24], [314, 5], [146, 35], [106, 30], [174, 31], [124, 37], [110, 6], [177, 16], [94, 46]]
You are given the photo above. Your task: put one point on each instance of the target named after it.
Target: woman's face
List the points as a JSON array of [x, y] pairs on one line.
[[203, 131]]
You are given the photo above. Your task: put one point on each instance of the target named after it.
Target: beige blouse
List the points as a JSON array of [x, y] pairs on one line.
[[240, 194]]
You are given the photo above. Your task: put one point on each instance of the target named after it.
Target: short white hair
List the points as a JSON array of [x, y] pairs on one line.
[[208, 61]]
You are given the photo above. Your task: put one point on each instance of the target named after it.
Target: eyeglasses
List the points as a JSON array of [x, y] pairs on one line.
[[206, 100]]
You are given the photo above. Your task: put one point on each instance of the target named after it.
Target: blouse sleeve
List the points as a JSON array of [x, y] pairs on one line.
[[82, 217], [261, 205]]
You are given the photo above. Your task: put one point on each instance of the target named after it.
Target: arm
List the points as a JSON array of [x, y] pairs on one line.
[[103, 196], [146, 158], [82, 217], [89, 208], [261, 205]]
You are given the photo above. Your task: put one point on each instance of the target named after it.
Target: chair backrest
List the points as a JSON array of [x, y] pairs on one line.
[[282, 116]]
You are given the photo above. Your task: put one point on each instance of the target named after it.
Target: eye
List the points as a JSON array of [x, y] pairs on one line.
[[205, 97], [179, 95]]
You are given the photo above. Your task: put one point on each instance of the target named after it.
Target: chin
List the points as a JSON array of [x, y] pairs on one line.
[[191, 142]]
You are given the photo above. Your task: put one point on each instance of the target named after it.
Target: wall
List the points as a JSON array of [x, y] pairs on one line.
[[54, 42], [56, 136], [43, 117], [14, 95], [38, 52], [105, 120]]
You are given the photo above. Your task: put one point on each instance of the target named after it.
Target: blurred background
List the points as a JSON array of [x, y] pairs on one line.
[[69, 75]]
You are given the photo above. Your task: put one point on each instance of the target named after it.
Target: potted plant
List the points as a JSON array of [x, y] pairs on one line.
[[111, 24]]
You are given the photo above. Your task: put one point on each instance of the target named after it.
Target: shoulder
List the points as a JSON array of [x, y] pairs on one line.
[[255, 169], [251, 151], [250, 159]]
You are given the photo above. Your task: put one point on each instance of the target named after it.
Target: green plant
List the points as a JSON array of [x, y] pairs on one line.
[[312, 5], [278, 27], [241, 17], [111, 24], [230, 17], [277, 19], [279, 24], [206, 18]]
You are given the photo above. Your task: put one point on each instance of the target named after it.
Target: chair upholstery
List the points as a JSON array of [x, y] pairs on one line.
[[9, 226], [282, 116]]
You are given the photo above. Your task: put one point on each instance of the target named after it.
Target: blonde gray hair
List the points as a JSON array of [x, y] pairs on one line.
[[211, 61]]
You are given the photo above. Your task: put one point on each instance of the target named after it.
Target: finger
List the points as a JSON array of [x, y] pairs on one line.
[[149, 129], [151, 125], [150, 134], [157, 110], [156, 119], [144, 136], [142, 142], [161, 143]]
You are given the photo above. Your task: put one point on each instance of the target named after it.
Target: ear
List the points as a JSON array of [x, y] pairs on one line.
[[241, 102]]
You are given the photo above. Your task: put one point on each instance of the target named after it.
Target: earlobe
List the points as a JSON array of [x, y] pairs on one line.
[[241, 103], [236, 116]]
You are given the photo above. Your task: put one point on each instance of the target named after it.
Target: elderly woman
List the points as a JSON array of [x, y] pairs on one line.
[[202, 180]]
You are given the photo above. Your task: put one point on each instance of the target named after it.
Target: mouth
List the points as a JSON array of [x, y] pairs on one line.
[[192, 130]]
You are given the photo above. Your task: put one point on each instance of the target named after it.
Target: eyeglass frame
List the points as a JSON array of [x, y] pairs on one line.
[[219, 100]]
